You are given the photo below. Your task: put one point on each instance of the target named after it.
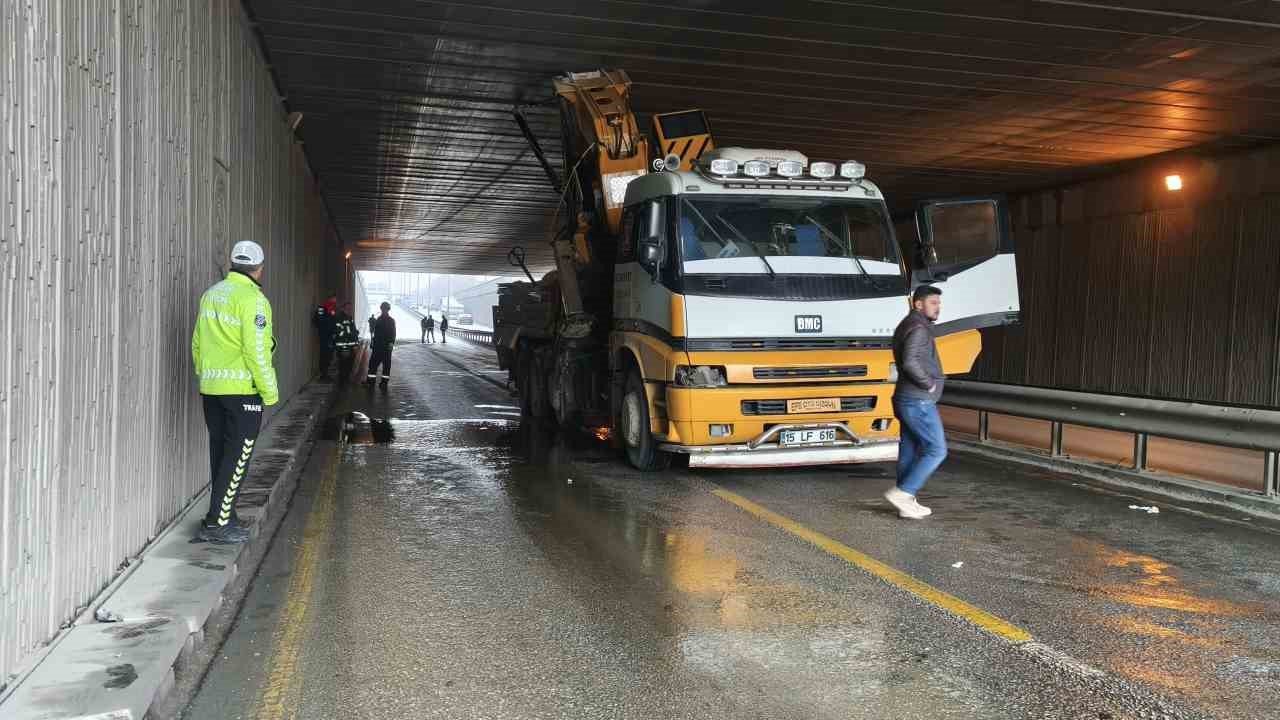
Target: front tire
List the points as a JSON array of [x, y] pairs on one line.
[[637, 438]]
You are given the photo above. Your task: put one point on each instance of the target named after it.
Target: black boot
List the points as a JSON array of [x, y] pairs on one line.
[[222, 534]]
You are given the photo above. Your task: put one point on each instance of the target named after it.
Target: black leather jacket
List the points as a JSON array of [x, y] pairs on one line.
[[916, 354]]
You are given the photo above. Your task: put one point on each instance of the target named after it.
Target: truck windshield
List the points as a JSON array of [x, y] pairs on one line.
[[750, 234]]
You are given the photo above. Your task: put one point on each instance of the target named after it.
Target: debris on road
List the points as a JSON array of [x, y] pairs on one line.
[[958, 565], [1149, 509]]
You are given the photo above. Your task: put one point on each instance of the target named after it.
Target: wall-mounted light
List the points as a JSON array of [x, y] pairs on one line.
[[1173, 182], [348, 254]]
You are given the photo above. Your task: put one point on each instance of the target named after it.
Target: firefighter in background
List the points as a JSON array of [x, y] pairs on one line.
[[232, 348], [384, 338], [346, 338], [324, 320]]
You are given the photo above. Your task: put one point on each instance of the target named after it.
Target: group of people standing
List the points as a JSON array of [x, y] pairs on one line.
[[429, 328], [338, 333]]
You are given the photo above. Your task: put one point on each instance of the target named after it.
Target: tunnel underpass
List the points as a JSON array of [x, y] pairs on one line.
[[521, 523]]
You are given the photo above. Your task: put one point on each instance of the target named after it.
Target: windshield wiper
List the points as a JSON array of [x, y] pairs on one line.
[[724, 244], [852, 255], [750, 244]]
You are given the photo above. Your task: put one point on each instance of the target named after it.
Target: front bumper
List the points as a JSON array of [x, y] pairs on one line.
[[764, 451]]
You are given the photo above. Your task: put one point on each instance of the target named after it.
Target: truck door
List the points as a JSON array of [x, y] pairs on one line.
[[965, 249]]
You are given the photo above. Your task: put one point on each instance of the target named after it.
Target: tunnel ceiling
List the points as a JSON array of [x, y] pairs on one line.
[[406, 104]]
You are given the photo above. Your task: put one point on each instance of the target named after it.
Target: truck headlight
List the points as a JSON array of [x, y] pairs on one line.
[[700, 376]]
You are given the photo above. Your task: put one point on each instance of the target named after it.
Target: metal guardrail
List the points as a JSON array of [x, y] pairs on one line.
[[1235, 427], [482, 337]]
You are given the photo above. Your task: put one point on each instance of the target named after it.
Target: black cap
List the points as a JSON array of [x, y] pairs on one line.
[[386, 306]]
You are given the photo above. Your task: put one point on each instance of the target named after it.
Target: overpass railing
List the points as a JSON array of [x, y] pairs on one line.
[[481, 337], [1222, 425]]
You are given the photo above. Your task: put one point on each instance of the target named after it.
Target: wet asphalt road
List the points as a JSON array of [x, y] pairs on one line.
[[469, 568]]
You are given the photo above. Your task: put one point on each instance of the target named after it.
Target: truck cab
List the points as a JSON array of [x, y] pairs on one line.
[[755, 297]]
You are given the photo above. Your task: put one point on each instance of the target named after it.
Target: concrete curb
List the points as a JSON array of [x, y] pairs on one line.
[[151, 621], [1203, 496]]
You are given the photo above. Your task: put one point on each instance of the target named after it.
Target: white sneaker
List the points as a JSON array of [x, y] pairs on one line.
[[906, 504]]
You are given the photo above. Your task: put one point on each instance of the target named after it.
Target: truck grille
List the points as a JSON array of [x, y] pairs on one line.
[[788, 343], [779, 407], [786, 373]]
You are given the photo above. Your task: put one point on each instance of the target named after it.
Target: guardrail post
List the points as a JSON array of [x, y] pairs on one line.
[[1055, 439], [1271, 473], [1139, 451], [984, 426]]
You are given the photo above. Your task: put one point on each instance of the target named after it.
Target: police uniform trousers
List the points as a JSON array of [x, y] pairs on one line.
[[233, 422]]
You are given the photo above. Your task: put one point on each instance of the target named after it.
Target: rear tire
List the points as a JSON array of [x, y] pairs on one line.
[[532, 384], [638, 442]]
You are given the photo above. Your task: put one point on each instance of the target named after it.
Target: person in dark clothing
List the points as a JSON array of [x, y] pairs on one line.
[[444, 327], [372, 320], [346, 338], [424, 327], [384, 338], [323, 321], [429, 327], [923, 444]]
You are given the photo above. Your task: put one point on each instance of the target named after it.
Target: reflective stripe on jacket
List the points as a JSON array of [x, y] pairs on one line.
[[233, 344]]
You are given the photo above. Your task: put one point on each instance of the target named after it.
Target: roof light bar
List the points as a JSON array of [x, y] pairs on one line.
[[822, 170], [724, 166], [790, 168], [853, 170], [756, 168]]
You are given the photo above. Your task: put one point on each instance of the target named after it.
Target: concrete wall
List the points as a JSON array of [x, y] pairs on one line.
[[1129, 288], [141, 138]]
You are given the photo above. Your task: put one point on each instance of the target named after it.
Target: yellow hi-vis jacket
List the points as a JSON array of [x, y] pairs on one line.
[[232, 345]]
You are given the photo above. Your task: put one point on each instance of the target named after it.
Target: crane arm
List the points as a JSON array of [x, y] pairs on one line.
[[599, 105]]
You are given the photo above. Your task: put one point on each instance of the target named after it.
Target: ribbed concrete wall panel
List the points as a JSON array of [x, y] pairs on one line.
[[140, 138], [1128, 288]]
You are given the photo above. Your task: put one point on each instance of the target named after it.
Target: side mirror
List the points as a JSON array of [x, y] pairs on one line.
[[650, 256]]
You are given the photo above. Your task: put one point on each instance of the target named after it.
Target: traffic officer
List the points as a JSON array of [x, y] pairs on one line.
[[345, 339], [232, 348], [384, 338]]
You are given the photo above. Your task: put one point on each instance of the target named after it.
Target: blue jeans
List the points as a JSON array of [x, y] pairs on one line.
[[923, 444]]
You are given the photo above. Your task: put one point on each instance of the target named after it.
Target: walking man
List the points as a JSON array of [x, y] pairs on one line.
[[444, 327], [384, 338], [923, 444], [232, 348], [424, 327], [346, 337]]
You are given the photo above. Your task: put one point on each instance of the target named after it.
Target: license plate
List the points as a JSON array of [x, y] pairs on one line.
[[787, 438], [813, 405]]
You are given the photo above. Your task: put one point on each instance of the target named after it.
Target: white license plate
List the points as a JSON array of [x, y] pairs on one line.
[[787, 438]]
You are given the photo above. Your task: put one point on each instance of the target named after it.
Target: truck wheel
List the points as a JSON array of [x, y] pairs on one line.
[[522, 362], [637, 439], [532, 382]]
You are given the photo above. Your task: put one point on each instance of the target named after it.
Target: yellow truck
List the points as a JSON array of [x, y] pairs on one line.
[[731, 306]]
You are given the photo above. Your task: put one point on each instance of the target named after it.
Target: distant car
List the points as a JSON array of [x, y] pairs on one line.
[[466, 319]]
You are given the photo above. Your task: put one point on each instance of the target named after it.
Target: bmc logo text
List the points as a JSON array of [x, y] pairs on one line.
[[808, 323]]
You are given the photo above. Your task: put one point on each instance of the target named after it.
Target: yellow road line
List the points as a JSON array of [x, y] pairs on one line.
[[891, 575], [280, 692]]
